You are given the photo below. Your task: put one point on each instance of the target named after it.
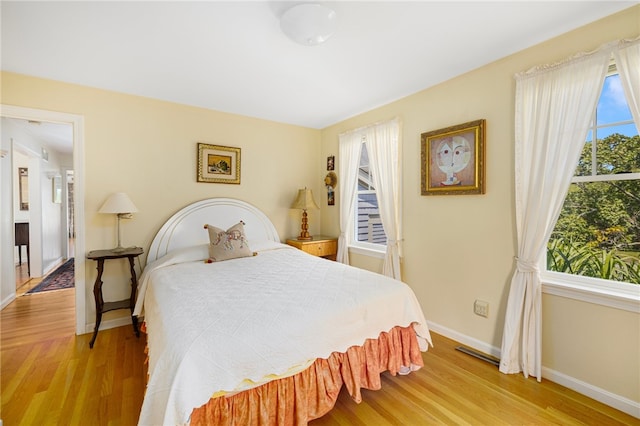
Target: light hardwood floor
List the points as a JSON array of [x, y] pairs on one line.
[[50, 377]]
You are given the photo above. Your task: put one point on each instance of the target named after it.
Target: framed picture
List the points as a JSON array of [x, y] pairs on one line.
[[331, 160], [218, 164], [453, 160], [23, 181]]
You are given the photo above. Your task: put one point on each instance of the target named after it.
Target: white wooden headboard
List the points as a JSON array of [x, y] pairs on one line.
[[186, 227]]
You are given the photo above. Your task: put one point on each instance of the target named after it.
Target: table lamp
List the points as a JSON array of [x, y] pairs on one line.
[[304, 201], [121, 205]]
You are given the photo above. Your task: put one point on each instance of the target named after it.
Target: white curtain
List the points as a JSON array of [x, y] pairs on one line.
[[348, 161], [553, 108], [382, 143], [627, 58]]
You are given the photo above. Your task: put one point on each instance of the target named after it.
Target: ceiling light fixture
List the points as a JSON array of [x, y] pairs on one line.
[[309, 24]]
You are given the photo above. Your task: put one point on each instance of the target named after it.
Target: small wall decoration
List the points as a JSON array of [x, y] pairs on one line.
[[331, 162], [453, 160], [23, 182], [218, 164], [330, 181]]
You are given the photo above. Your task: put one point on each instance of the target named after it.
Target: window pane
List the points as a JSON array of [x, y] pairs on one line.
[[615, 153], [628, 129], [618, 154], [368, 223], [584, 163], [612, 106], [365, 180], [598, 232]]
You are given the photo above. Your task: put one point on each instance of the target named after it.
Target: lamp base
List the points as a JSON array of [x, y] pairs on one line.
[[304, 232], [119, 248]]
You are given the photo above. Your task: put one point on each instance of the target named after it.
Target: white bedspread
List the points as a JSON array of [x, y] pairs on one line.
[[212, 326]]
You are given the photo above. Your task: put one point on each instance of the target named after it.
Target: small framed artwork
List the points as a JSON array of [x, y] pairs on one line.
[[453, 160], [218, 164], [56, 189], [23, 181], [331, 162]]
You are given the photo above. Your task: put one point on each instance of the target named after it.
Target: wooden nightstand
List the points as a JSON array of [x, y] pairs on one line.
[[321, 246], [101, 306]]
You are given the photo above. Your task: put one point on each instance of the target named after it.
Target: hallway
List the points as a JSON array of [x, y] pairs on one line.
[[24, 283]]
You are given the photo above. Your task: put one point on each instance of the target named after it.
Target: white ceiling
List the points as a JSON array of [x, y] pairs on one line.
[[55, 136], [232, 56]]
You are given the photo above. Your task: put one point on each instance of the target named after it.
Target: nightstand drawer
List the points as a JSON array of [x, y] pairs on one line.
[[320, 246]]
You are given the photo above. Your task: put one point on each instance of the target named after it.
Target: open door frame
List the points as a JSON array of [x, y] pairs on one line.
[[77, 122]]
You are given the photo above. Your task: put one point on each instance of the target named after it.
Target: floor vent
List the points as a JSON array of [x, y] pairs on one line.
[[479, 355]]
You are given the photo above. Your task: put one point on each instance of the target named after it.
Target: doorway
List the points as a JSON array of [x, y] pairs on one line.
[[75, 210], [58, 271]]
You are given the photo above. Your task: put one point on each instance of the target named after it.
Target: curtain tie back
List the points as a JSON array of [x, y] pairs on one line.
[[526, 266]]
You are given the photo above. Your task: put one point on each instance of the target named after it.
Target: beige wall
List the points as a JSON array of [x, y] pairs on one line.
[[461, 248], [147, 148]]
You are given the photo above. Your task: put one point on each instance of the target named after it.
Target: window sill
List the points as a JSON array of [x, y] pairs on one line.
[[620, 297], [379, 254]]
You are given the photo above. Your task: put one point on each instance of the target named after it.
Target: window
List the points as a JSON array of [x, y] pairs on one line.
[[598, 231], [370, 169], [368, 232]]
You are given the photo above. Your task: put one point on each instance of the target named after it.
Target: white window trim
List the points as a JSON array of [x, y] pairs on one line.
[[606, 178], [608, 293], [368, 249]]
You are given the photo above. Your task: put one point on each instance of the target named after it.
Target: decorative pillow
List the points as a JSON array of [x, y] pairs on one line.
[[229, 244]]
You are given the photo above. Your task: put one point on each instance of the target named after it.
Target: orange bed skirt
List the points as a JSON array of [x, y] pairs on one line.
[[313, 392]]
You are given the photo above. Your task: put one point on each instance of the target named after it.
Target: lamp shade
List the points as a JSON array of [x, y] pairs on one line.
[[304, 200], [308, 23], [118, 202]]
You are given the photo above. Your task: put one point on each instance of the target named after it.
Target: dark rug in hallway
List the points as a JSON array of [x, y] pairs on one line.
[[61, 278]]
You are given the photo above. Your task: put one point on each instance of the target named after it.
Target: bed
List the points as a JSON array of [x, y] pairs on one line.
[[269, 336]]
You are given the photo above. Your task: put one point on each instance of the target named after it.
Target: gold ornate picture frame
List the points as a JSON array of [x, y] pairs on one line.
[[218, 164], [453, 160]]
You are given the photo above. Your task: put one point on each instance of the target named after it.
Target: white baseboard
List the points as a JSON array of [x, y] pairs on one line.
[[10, 298], [465, 340], [601, 395], [105, 325], [52, 265]]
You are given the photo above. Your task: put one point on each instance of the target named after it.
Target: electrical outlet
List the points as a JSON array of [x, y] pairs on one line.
[[481, 308]]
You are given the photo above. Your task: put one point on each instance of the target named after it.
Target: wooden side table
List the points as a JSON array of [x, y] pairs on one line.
[[321, 246], [22, 239], [101, 306]]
